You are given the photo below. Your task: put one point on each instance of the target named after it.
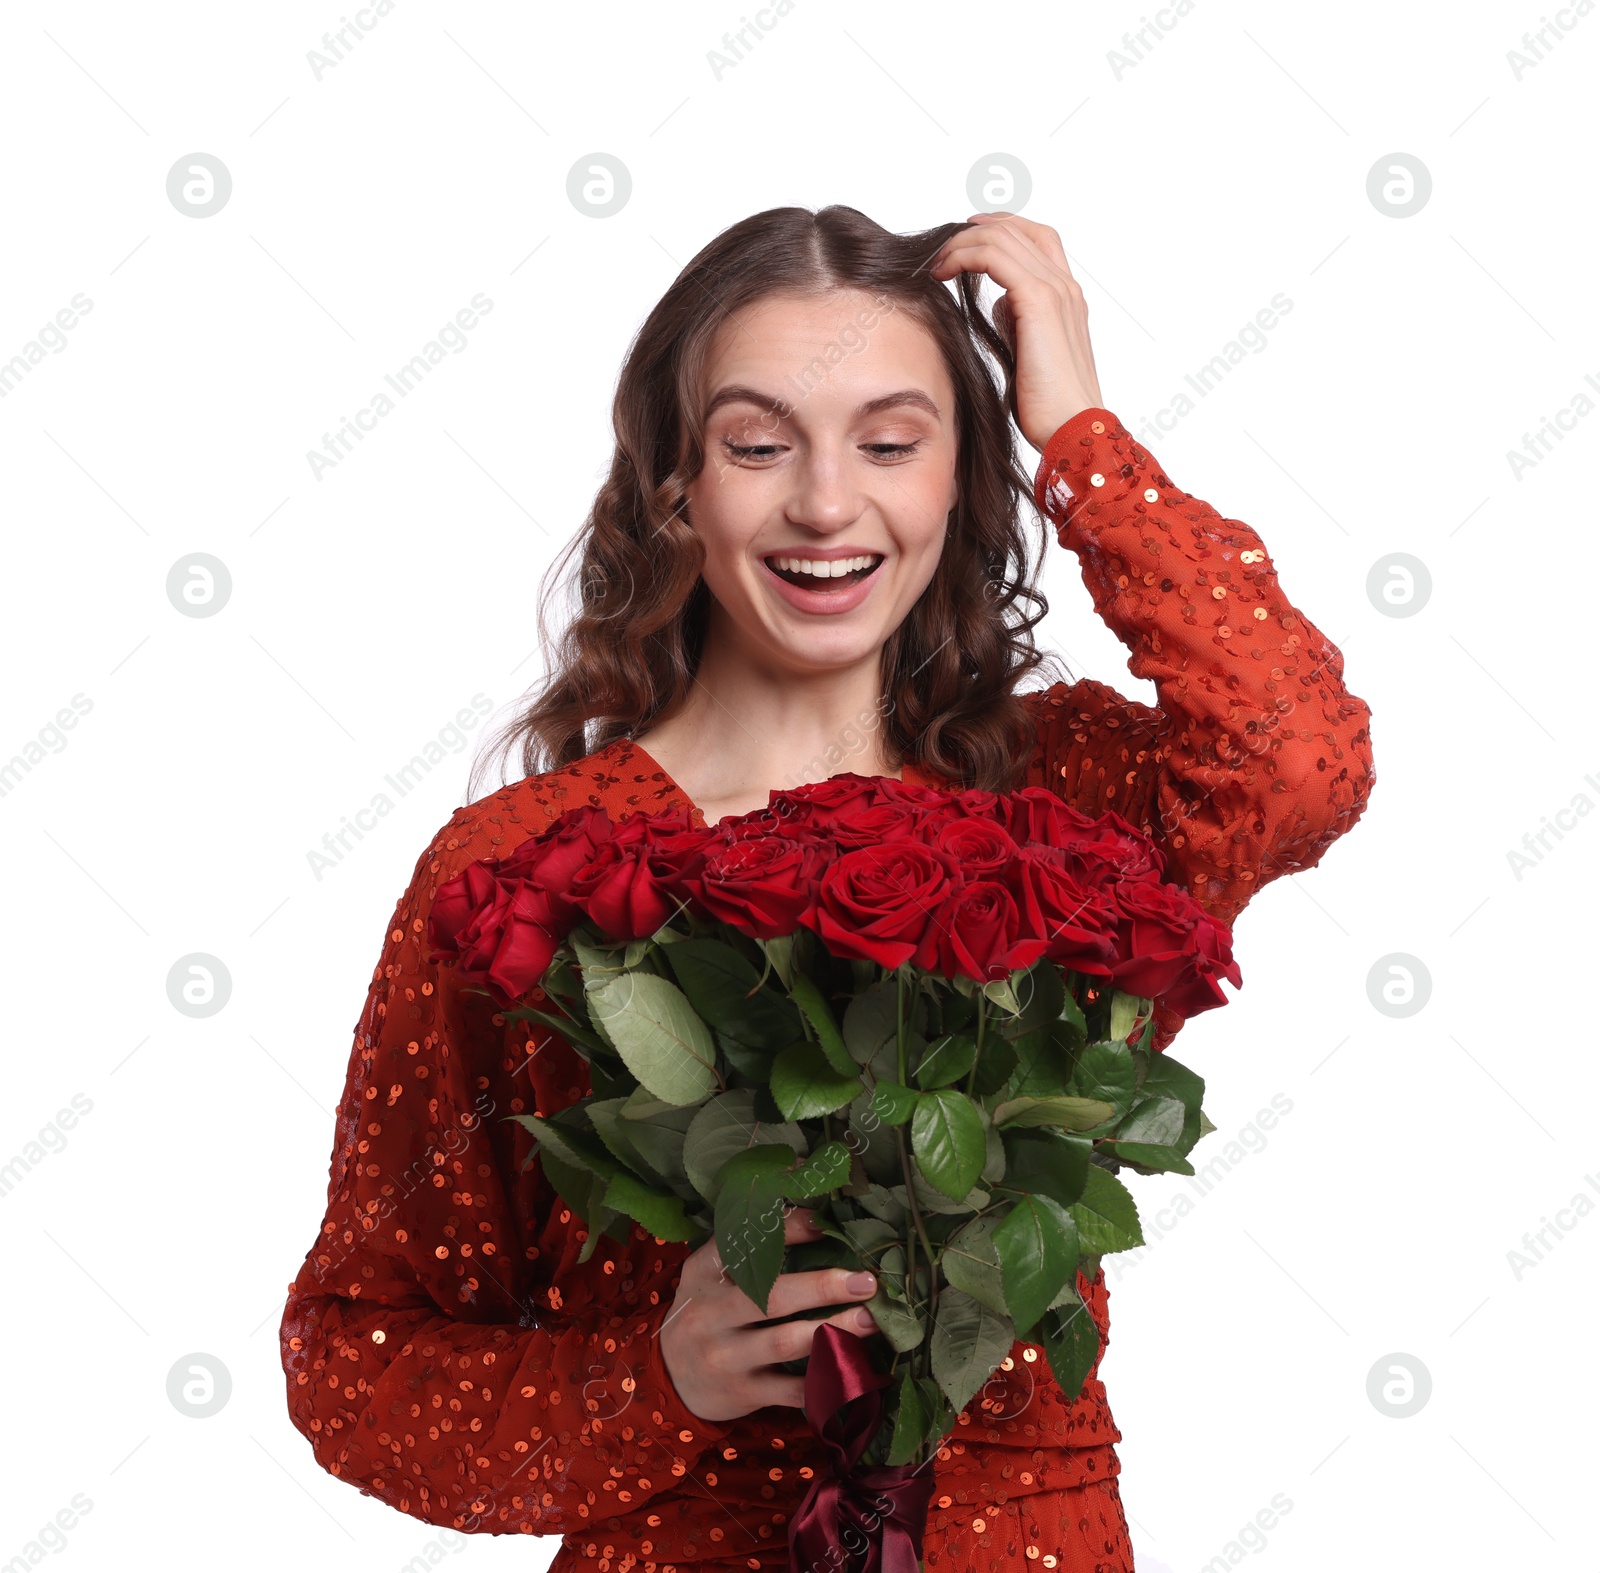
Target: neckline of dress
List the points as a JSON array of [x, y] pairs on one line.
[[911, 773]]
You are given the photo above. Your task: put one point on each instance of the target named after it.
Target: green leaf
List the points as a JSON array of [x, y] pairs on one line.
[[870, 1236], [1047, 1163], [1071, 1342], [972, 1264], [1070, 1114], [947, 1136], [910, 1423], [605, 1115], [780, 952], [1125, 1010], [1040, 992], [575, 1032], [809, 998], [805, 1085], [1106, 1217], [1165, 1078], [904, 1327], [661, 1214], [749, 1218], [946, 1060], [600, 963], [1158, 1121], [659, 1131], [1147, 1155], [724, 1126], [996, 1064], [870, 1021], [1041, 1064], [825, 1170], [1002, 992], [879, 1201], [892, 1103], [935, 1201], [969, 1342], [660, 1038], [874, 1142], [576, 1148], [1104, 1071], [726, 991], [1038, 1247], [574, 1184]]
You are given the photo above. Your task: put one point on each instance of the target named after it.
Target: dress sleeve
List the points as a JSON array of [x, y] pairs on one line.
[[428, 1356], [1256, 757]]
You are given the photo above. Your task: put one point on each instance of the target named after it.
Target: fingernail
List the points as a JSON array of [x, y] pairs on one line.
[[865, 1320], [860, 1283]]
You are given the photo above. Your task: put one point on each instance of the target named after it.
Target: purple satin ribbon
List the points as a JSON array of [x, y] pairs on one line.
[[864, 1520]]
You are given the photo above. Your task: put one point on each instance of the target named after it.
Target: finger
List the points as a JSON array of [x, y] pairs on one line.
[[1040, 235], [792, 1340], [795, 1292], [1003, 257], [800, 1225], [1036, 245]]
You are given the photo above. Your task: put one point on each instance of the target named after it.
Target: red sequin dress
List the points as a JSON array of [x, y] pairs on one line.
[[444, 1350]]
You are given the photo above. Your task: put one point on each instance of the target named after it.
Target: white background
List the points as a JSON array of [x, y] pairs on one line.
[[370, 605]]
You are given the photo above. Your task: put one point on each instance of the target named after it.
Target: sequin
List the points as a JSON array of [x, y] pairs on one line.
[[515, 1390]]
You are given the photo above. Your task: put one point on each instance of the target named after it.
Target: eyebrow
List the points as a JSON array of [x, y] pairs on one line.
[[782, 409]]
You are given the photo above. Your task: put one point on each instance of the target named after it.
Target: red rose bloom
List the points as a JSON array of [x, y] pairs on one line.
[[503, 932], [764, 886], [1102, 848], [876, 903], [975, 935], [873, 827], [981, 846], [1074, 920], [817, 804], [1169, 947], [622, 889], [560, 850]]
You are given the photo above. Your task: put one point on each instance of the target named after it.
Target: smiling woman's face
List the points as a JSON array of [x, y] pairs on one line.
[[830, 440]]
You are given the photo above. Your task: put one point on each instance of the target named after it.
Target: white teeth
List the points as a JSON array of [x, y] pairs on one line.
[[836, 569]]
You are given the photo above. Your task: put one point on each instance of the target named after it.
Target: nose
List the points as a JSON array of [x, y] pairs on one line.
[[825, 498]]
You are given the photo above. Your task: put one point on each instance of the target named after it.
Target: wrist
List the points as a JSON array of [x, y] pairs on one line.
[[1069, 446]]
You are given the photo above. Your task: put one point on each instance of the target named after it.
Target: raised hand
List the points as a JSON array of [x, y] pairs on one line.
[[1041, 315]]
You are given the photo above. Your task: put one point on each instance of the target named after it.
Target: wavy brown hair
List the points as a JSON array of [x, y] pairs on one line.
[[627, 655]]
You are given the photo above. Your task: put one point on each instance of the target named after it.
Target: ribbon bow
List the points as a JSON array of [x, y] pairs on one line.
[[871, 1520]]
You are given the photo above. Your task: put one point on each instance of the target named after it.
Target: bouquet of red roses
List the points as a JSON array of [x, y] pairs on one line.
[[926, 1015]]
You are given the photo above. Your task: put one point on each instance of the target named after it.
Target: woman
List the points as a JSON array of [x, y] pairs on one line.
[[807, 558]]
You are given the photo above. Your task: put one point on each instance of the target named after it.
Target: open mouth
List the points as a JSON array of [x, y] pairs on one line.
[[821, 576]]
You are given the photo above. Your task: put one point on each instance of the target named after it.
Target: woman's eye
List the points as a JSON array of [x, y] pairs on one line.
[[891, 450], [758, 451]]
